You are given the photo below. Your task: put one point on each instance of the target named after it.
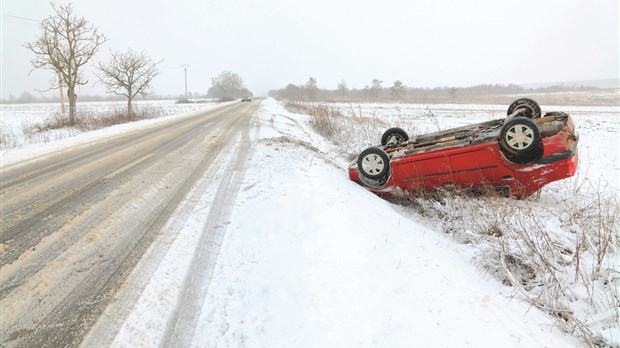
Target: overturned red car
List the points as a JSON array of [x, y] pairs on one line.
[[515, 156]]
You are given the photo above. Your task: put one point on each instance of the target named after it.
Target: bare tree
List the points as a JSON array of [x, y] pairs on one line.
[[66, 44], [128, 74], [343, 89], [375, 88], [311, 88], [453, 93], [397, 91], [366, 92], [227, 85], [292, 91]]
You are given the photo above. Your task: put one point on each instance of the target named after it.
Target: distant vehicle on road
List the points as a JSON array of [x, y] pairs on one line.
[[515, 156], [246, 99]]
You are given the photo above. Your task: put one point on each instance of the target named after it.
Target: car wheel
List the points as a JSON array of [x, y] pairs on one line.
[[373, 163], [519, 136], [527, 106], [394, 136]]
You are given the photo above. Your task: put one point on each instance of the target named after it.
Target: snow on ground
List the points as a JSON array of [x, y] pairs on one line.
[[16, 145], [311, 259]]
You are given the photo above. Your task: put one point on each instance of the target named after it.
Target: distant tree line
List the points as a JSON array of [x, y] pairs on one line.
[[29, 97], [376, 90]]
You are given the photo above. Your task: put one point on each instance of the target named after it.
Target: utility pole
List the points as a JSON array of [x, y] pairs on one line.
[[184, 67]]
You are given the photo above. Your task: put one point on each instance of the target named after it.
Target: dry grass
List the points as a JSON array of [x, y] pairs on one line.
[[557, 258], [56, 126], [8, 139], [339, 126], [96, 120], [324, 119], [91, 120]]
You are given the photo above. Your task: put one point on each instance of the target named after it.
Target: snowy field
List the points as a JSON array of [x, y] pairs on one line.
[[17, 119], [311, 259], [549, 246]]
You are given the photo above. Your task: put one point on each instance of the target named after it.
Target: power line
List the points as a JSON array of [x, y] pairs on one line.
[[16, 22], [23, 18], [19, 20]]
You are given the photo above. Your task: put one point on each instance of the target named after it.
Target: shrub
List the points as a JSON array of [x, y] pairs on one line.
[[93, 119], [8, 139], [556, 258], [350, 132]]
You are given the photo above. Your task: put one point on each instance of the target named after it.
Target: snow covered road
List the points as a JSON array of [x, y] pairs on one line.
[[76, 222]]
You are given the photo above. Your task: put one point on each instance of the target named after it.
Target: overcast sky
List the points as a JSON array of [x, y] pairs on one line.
[[270, 43]]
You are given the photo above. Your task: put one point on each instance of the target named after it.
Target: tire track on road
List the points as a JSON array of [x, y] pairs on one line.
[[181, 326], [96, 259], [48, 202]]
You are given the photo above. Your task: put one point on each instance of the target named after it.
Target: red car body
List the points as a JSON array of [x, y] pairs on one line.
[[478, 161]]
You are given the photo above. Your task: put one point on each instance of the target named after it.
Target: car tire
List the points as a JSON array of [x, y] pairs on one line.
[[394, 136], [529, 108], [519, 136], [373, 163]]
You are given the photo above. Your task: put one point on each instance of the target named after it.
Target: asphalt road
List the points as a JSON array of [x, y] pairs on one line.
[[76, 222]]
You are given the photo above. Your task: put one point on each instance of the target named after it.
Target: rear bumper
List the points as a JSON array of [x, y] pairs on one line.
[[546, 170]]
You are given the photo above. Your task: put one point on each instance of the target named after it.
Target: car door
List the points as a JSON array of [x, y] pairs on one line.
[[426, 170], [477, 166]]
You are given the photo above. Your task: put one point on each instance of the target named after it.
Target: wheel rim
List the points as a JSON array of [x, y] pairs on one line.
[[519, 137], [373, 164], [528, 103], [395, 139], [527, 108]]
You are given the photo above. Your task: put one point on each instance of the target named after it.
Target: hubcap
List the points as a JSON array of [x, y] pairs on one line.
[[373, 164], [519, 137]]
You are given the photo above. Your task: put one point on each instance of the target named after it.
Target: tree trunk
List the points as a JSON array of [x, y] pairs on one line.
[[72, 103], [129, 109], [130, 96]]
